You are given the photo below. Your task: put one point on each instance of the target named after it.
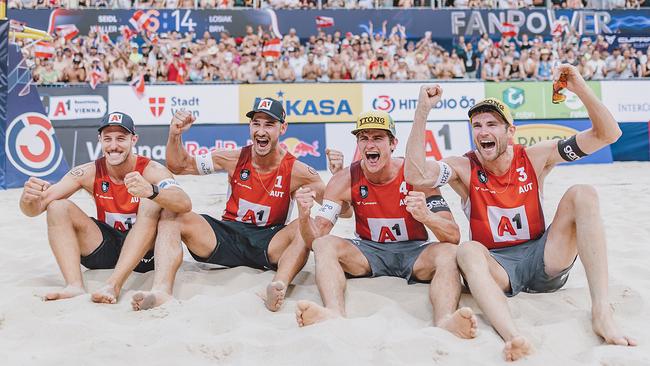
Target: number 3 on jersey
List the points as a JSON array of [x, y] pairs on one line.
[[251, 213], [508, 224], [387, 230]]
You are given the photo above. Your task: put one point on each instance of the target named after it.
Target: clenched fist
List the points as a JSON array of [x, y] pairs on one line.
[[181, 122], [305, 200], [574, 81], [137, 185], [334, 160], [416, 205], [34, 189], [430, 95]]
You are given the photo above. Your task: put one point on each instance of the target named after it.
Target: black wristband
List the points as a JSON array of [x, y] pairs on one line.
[[569, 150], [436, 203], [155, 192]]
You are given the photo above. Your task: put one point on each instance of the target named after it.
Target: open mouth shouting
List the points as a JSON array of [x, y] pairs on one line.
[[262, 142], [488, 145], [372, 157]]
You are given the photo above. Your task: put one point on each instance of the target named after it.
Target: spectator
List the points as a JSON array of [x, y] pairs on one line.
[[544, 67], [311, 71], [597, 66], [492, 70]]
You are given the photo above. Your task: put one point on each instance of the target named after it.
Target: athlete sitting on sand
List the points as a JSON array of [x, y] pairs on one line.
[[391, 227], [263, 178], [500, 187], [125, 187]]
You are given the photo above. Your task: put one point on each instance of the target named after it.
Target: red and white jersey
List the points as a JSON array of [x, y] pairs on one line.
[[115, 205], [380, 210], [259, 199], [504, 211]]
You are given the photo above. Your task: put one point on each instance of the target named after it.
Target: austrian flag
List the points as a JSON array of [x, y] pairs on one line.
[[272, 48], [324, 22], [67, 31], [140, 20], [44, 50]]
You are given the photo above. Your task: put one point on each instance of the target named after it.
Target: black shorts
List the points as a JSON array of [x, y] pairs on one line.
[[108, 251], [240, 244]]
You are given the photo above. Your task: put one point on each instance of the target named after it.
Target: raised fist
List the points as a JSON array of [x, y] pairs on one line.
[[574, 81], [305, 200], [416, 205], [34, 189], [181, 122], [137, 185], [334, 160], [430, 95]]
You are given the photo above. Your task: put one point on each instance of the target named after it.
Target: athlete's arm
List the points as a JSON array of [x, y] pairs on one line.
[[306, 177], [417, 171], [37, 193], [170, 194], [336, 194], [430, 209], [179, 161], [604, 130]]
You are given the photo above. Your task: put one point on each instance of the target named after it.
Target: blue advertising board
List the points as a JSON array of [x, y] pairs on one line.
[[4, 32]]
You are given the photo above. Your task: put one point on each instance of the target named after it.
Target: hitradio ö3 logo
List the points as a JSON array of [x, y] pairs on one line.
[[383, 103], [31, 146]]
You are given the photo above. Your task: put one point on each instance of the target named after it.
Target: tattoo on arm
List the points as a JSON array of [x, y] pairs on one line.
[[312, 170], [77, 172]]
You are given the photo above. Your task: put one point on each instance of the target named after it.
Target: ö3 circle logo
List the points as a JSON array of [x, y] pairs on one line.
[[384, 103], [31, 146]]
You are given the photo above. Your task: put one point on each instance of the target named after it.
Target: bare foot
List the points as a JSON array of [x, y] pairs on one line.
[[517, 348], [105, 295], [308, 313], [275, 292], [462, 323], [149, 299], [605, 327], [65, 293]]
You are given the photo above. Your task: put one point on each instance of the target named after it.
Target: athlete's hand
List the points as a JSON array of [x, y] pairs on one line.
[[430, 95], [181, 122], [334, 160], [305, 200], [575, 82], [137, 185], [34, 189], [416, 205]]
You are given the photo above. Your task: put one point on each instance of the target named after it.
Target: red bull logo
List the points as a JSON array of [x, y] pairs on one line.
[[299, 148]]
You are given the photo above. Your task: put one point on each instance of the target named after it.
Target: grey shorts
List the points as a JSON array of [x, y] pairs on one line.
[[524, 264], [391, 259]]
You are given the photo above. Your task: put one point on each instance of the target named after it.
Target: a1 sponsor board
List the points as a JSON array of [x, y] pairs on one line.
[[532, 100], [400, 100], [628, 101], [306, 142], [208, 103], [74, 105], [442, 139], [321, 102], [531, 132]]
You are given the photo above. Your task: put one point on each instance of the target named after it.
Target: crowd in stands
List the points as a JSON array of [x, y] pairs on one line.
[[326, 4], [376, 55]]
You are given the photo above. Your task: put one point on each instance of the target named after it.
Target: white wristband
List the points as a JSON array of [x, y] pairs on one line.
[[167, 183], [204, 164], [330, 210], [444, 175]]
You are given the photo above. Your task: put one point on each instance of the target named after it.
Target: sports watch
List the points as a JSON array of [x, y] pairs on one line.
[[155, 192]]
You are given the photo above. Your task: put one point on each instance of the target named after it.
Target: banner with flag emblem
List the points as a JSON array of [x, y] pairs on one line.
[[509, 29], [324, 22], [44, 49], [272, 48]]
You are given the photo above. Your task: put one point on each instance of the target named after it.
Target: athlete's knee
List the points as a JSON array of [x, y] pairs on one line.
[[59, 211], [469, 254], [445, 255], [325, 246], [583, 194]]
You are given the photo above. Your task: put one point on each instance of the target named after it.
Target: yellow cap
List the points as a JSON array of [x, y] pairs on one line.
[[375, 120], [495, 105]]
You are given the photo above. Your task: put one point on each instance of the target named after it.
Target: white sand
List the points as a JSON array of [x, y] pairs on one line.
[[220, 319]]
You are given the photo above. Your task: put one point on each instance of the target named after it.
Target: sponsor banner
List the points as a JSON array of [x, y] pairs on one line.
[[442, 139], [532, 100], [531, 132], [320, 102], [74, 105], [634, 144], [31, 146], [628, 101], [306, 142], [208, 103], [640, 43], [401, 99]]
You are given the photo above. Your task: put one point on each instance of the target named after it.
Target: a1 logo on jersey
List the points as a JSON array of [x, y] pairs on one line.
[[121, 222], [252, 213], [388, 230], [508, 224]]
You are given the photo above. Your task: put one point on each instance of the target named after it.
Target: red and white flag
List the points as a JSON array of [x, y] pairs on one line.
[[105, 38], [67, 31], [44, 50], [324, 22], [557, 28], [138, 85], [509, 29], [127, 33], [140, 20], [272, 48], [95, 78]]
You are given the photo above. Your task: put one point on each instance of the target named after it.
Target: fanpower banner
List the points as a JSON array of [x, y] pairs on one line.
[[323, 102], [532, 100]]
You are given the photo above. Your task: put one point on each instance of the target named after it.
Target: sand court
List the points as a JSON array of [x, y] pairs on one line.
[[220, 319]]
